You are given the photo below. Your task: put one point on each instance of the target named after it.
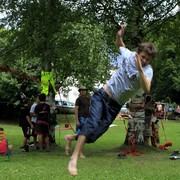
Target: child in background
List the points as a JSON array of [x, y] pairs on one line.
[[34, 119], [26, 124], [155, 131], [4, 147]]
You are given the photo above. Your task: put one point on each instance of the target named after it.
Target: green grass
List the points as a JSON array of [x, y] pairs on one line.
[[101, 162]]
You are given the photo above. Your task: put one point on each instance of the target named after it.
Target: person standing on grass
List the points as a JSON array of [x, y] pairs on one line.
[[34, 119], [133, 74], [155, 140], [81, 112], [81, 108], [42, 111], [136, 123], [166, 107], [26, 124], [159, 110]]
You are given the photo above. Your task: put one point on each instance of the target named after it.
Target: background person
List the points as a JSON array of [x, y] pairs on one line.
[[26, 124], [166, 108], [136, 119], [34, 119], [81, 112], [155, 140], [4, 149], [42, 110], [159, 110], [81, 108]]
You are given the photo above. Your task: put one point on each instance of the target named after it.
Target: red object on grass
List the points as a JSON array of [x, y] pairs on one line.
[[165, 145], [133, 150]]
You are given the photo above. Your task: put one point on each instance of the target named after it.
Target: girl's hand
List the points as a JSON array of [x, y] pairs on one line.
[[138, 62], [77, 123], [32, 126], [121, 31]]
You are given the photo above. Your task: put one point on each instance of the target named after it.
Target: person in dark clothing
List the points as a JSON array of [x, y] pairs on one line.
[[42, 111], [81, 108], [81, 112], [26, 124]]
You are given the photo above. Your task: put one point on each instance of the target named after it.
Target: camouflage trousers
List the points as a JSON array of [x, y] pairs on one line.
[[135, 132]]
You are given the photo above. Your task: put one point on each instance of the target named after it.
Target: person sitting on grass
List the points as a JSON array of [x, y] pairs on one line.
[[133, 74], [4, 147]]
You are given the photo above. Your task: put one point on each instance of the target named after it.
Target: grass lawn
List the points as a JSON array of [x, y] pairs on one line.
[[101, 162]]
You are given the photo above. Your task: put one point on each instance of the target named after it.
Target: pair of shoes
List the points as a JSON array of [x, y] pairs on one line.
[[31, 144], [175, 153], [67, 151], [122, 156], [36, 147], [174, 157], [48, 150], [27, 147], [23, 149]]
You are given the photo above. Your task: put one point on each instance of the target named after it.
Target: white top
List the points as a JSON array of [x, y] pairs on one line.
[[32, 110], [125, 82]]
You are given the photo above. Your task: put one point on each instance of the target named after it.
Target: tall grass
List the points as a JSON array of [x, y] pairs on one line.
[[101, 162]]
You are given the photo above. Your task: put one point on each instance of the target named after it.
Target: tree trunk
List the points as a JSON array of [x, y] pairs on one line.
[[139, 122]]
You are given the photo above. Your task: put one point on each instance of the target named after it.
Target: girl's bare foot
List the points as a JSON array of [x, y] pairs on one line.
[[81, 155], [72, 169], [67, 149]]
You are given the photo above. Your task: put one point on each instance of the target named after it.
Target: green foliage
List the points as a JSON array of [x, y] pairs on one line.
[[33, 24], [9, 88], [4, 36], [142, 17], [83, 52], [74, 48], [167, 64], [74, 37]]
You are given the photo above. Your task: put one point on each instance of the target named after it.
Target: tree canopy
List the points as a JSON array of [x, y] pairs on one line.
[[141, 16], [166, 67], [75, 38]]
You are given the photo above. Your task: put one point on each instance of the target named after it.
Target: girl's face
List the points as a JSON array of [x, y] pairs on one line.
[[145, 58]]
